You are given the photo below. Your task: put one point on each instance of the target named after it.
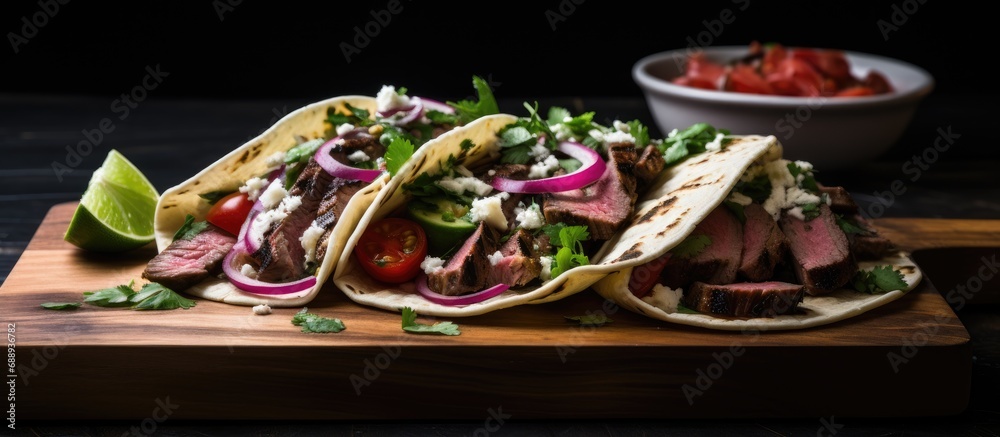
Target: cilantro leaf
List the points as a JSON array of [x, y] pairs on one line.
[[850, 227], [467, 145], [675, 153], [640, 132], [516, 155], [154, 296], [61, 306], [111, 297], [737, 210], [410, 325], [582, 124], [881, 279], [808, 181], [439, 118], [598, 319], [397, 154], [557, 115], [691, 246], [514, 135], [212, 197], [315, 323], [356, 116], [189, 229], [689, 141], [468, 110], [758, 188], [571, 252], [303, 151], [810, 211], [685, 310]]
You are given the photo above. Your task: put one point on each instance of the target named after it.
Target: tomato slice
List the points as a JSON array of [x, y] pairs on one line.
[[391, 250], [230, 212], [773, 56], [744, 79], [878, 83], [695, 82], [646, 276], [855, 91]]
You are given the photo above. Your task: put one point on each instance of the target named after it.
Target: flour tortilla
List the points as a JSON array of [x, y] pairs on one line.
[[684, 196], [248, 161], [361, 288]]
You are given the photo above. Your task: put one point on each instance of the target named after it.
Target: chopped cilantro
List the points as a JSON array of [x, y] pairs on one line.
[[640, 132], [689, 141], [467, 110], [397, 154], [401, 91], [212, 197], [691, 246], [557, 115], [570, 243], [467, 145], [315, 323], [598, 319], [440, 118], [190, 228], [850, 227], [808, 181], [758, 189], [410, 325], [881, 279], [111, 297], [153, 296], [61, 306], [810, 211], [685, 310], [737, 210], [356, 116]]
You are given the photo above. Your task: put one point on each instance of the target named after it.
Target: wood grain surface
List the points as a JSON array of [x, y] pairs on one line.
[[217, 361]]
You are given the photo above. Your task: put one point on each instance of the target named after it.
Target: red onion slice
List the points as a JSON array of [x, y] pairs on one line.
[[393, 111], [592, 169], [254, 286], [434, 105], [465, 299], [253, 242], [336, 168]]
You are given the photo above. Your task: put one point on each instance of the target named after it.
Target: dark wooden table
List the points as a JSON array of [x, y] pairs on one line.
[[172, 139]]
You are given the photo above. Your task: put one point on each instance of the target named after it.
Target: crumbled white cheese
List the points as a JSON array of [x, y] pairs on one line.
[[462, 184], [262, 309], [546, 273], [495, 258], [621, 127], [786, 192], [309, 239], [673, 133], [488, 210], [273, 194], [739, 198], [716, 144], [263, 221], [618, 137], [797, 213], [543, 169], [804, 165], [529, 217], [664, 298], [539, 152], [344, 128], [290, 203], [561, 131], [798, 196], [432, 264], [248, 271], [596, 134], [492, 172], [358, 156], [567, 119], [275, 160], [252, 188], [388, 99]]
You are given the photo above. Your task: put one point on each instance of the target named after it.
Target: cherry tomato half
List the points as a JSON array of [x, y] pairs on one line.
[[391, 250], [230, 212]]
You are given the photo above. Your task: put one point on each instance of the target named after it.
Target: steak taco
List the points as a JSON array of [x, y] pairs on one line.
[[267, 222], [498, 213], [739, 238]]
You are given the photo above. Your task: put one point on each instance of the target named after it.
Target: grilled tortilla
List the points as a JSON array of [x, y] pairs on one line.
[[686, 194], [248, 161]]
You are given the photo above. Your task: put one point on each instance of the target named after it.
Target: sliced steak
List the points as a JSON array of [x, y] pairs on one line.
[[604, 205], [748, 299], [718, 262], [649, 166], [187, 262], [841, 201], [331, 208], [823, 260], [519, 264], [469, 269], [764, 244], [869, 245], [281, 256], [363, 142]]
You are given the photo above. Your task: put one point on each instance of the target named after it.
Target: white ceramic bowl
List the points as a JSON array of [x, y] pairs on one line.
[[832, 132]]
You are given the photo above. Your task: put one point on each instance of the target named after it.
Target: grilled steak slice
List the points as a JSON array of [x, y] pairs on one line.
[[281, 256], [187, 262], [604, 205], [748, 299], [469, 269], [331, 208], [649, 166], [869, 245], [519, 264], [718, 262], [363, 142], [764, 244], [823, 260], [841, 201]]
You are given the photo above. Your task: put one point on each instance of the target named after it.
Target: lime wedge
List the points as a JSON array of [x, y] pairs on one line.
[[116, 212]]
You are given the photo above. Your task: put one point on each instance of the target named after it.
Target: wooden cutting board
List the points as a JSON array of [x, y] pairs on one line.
[[215, 361]]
